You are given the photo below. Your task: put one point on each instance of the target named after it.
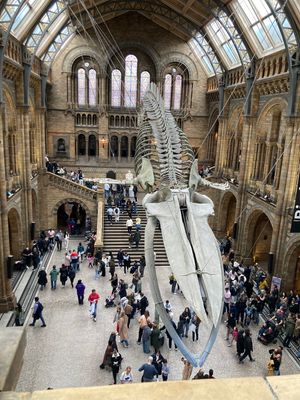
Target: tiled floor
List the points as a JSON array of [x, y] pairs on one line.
[[68, 352]]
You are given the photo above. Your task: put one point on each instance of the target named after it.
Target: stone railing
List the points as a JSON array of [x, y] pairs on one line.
[[100, 224], [276, 64], [13, 50], [71, 186]]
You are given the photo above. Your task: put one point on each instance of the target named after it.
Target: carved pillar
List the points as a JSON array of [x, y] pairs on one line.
[[221, 152], [7, 298]]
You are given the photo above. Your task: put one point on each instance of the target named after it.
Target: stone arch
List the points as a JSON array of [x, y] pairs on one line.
[[82, 52], [291, 263], [182, 59], [258, 235], [227, 211], [111, 174], [63, 223], [14, 232], [277, 101], [149, 51]]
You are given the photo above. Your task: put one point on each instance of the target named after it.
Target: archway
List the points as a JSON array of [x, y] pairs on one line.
[[226, 215], [14, 232], [261, 240], [292, 266], [133, 146], [111, 175], [71, 217], [124, 147], [81, 145], [230, 216], [114, 146], [92, 146]]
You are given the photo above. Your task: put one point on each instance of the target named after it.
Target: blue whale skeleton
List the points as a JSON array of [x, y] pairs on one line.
[[166, 168]]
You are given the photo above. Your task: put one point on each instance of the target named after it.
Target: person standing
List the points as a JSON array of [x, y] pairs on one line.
[[53, 277], [165, 370], [71, 274], [19, 315], [143, 321], [146, 336], [117, 214], [123, 329], [142, 265], [93, 299], [248, 346], [63, 274], [137, 238], [126, 376], [59, 238], [116, 360], [38, 313], [144, 303], [168, 334], [110, 213], [120, 255], [289, 330], [187, 369], [129, 225], [186, 318], [80, 288], [149, 371], [195, 327], [42, 278], [66, 240]]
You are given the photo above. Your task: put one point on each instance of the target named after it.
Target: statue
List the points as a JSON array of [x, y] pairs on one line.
[[129, 177], [166, 169]]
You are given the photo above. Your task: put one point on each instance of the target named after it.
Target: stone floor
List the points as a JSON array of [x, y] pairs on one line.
[[67, 353]]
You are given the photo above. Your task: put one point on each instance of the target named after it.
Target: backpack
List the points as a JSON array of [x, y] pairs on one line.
[[146, 302]]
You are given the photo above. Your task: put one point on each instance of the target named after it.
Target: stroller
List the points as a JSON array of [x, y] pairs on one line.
[[109, 301], [268, 333]]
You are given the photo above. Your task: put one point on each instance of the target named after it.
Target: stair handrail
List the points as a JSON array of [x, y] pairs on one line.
[[67, 182]]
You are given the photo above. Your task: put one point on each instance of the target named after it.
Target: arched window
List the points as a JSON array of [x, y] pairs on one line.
[[116, 88], [168, 91], [130, 81], [177, 92], [92, 87], [145, 81], [81, 86], [81, 145], [61, 146], [92, 146]]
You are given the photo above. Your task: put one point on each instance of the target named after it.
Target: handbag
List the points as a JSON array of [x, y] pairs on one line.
[[193, 327]]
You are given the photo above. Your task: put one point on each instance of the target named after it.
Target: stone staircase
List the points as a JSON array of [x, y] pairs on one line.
[[116, 237]]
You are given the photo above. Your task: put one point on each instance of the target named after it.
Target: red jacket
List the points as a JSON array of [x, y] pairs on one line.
[[94, 297]]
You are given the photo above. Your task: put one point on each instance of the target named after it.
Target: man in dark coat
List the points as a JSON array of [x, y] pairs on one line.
[[248, 346]]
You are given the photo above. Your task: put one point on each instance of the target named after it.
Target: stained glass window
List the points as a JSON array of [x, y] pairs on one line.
[[145, 81], [130, 81], [116, 88], [168, 91], [81, 86], [177, 92], [92, 87]]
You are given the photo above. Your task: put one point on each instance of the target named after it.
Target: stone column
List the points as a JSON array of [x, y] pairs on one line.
[[221, 152], [129, 149], [243, 179], [7, 298]]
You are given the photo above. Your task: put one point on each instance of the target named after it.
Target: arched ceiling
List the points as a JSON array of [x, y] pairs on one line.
[[223, 34]]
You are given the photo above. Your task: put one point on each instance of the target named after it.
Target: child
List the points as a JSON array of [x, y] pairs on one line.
[[234, 334], [90, 260], [165, 370]]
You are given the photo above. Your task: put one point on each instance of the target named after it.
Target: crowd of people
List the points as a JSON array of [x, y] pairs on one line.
[[247, 295]]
